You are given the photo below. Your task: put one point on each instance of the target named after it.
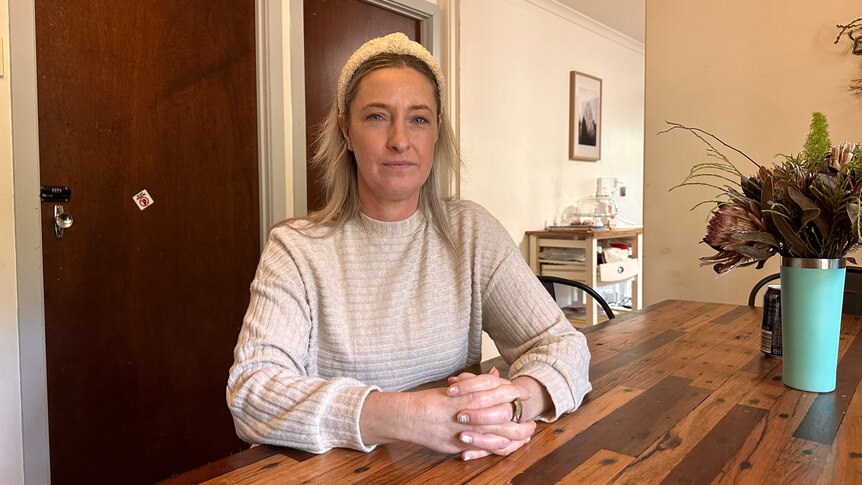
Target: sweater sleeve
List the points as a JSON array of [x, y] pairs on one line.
[[269, 393], [528, 327], [534, 336]]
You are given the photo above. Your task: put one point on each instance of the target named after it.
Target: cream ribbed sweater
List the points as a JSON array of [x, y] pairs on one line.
[[384, 306]]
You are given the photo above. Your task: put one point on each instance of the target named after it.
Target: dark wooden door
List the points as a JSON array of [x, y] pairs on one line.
[[334, 29], [142, 307]]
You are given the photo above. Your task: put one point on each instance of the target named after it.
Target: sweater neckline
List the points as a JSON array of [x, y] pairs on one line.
[[404, 227]]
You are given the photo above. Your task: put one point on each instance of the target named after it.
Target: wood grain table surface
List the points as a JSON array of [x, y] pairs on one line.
[[681, 394]]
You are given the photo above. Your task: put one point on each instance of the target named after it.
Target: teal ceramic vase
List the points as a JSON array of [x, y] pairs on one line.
[[812, 294]]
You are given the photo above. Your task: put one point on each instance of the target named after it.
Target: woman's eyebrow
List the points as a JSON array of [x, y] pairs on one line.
[[387, 106]]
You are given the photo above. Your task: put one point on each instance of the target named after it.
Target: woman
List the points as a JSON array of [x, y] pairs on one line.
[[390, 286]]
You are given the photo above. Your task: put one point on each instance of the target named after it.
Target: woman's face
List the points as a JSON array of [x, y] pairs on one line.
[[392, 130]]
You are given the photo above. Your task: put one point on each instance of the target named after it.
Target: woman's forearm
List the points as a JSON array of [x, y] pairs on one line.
[[425, 418], [382, 418]]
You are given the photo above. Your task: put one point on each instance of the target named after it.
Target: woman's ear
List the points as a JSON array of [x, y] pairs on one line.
[[345, 130]]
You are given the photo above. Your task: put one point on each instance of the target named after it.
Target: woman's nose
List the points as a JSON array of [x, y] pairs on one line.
[[398, 137]]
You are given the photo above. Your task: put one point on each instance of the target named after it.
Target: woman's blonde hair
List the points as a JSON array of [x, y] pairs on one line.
[[338, 165]]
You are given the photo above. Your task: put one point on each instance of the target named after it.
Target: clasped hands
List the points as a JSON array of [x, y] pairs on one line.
[[473, 416], [485, 421]]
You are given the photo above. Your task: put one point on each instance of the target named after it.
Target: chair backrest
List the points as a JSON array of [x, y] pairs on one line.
[[548, 283], [752, 296], [852, 290]]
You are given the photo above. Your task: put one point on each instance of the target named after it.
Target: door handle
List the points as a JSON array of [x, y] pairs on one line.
[[62, 220]]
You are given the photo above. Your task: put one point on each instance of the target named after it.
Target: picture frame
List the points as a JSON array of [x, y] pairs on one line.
[[585, 117]]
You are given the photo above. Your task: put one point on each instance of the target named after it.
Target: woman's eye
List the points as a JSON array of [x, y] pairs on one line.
[[374, 117], [420, 120]]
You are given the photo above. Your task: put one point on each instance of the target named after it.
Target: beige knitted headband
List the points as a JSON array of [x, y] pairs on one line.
[[395, 43]]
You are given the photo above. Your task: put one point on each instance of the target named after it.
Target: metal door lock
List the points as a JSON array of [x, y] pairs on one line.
[[62, 220], [55, 193]]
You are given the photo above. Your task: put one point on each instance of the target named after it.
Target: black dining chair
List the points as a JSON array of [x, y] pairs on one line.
[[852, 290], [548, 283]]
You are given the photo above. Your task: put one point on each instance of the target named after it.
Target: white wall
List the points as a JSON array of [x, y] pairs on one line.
[[11, 445], [752, 73], [515, 61], [516, 56]]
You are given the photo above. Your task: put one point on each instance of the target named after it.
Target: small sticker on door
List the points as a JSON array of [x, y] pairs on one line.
[[143, 199]]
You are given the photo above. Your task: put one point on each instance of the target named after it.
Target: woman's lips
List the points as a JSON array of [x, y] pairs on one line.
[[399, 164]]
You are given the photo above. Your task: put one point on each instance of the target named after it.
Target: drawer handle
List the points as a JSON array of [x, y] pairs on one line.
[[620, 269]]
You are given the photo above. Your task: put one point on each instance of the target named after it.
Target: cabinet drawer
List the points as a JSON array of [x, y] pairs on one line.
[[618, 270], [561, 271]]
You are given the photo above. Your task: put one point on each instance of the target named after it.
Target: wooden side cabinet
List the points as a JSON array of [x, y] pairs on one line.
[[590, 271]]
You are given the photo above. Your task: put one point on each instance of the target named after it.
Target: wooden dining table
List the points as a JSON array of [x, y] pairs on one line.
[[681, 394]]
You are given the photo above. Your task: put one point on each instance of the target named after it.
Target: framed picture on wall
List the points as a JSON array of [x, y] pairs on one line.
[[585, 117]]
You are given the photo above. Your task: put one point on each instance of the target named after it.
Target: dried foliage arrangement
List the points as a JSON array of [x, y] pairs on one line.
[[805, 205]]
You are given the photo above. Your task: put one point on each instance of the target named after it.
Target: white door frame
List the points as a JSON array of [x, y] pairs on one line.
[[281, 132], [28, 241]]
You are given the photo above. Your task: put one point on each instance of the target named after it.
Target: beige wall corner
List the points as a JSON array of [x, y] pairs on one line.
[[751, 73]]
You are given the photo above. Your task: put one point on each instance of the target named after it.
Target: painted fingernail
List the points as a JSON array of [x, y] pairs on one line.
[[463, 418], [453, 391], [529, 438], [468, 456], [465, 438]]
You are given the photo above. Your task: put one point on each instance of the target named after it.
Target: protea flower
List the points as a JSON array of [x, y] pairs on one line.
[[737, 231]]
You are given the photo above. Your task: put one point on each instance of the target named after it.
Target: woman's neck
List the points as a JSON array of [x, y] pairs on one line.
[[390, 211]]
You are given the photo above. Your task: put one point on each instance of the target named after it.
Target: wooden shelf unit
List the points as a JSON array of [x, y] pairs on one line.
[[588, 271]]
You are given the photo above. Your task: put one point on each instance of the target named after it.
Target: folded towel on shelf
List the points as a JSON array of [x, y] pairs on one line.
[[563, 254]]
